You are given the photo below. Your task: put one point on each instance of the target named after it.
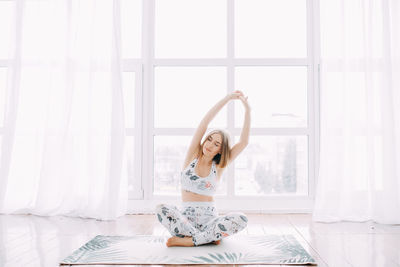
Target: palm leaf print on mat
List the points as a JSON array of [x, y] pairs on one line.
[[226, 257], [98, 243], [144, 249]]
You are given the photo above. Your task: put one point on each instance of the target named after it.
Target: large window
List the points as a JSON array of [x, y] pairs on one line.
[[203, 50], [179, 58]]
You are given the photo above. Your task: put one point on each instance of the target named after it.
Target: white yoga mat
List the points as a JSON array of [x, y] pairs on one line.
[[146, 249]]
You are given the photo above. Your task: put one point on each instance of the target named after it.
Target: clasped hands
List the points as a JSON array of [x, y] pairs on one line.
[[239, 95]]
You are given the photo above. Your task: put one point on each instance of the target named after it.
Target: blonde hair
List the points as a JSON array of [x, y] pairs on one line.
[[221, 158]]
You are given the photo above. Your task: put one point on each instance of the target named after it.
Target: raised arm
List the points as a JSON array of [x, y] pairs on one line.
[[202, 127], [244, 135]]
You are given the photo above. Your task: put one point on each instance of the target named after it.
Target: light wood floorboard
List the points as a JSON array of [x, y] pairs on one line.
[[29, 240]]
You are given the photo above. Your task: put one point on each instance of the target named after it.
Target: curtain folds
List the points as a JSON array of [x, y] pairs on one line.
[[63, 139], [359, 173]]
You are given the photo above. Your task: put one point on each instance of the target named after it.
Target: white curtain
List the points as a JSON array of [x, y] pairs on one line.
[[63, 137], [359, 173]]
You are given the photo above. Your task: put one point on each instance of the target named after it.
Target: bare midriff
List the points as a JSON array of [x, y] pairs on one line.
[[190, 196]]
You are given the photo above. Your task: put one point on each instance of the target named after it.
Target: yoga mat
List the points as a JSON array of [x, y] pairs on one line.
[[147, 249]]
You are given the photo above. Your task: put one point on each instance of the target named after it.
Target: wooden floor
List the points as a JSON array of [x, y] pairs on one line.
[[28, 240]]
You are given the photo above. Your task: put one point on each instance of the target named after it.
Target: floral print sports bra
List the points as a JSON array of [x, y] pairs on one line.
[[190, 181]]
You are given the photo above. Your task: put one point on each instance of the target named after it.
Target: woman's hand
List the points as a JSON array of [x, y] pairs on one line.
[[239, 95], [234, 95]]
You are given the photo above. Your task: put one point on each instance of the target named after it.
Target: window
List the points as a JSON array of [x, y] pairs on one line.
[[132, 82], [190, 29], [270, 29], [179, 58], [262, 47]]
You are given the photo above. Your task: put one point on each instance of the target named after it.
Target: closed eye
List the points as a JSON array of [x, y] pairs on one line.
[[210, 139]]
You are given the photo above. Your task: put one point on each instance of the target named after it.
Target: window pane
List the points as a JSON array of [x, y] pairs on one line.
[[183, 95], [3, 86], [169, 154], [277, 95], [190, 28], [273, 165], [131, 28], [128, 86], [129, 163], [270, 28], [6, 27]]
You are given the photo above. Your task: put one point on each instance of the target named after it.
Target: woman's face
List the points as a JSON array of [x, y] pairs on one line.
[[212, 146]]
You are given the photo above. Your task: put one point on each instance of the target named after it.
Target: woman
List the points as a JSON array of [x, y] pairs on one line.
[[197, 221]]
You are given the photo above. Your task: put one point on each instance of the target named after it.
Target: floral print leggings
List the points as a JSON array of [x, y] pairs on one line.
[[200, 221]]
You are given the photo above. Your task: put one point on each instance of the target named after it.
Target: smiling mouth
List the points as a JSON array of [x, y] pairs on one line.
[[208, 150]]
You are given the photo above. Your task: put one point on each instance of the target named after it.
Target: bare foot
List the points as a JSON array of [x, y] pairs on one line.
[[180, 241], [217, 242]]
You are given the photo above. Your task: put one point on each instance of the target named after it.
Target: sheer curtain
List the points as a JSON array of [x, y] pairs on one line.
[[63, 135], [359, 174]]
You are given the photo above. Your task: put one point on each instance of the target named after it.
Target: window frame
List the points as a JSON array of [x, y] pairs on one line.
[[141, 199], [271, 203]]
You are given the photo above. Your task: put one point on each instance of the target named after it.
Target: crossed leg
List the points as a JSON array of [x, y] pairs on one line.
[[177, 224], [185, 234], [220, 227]]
